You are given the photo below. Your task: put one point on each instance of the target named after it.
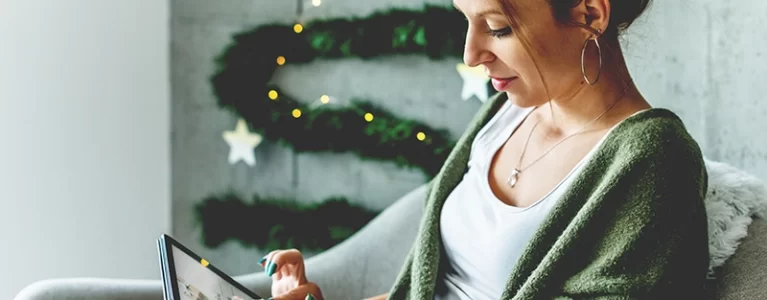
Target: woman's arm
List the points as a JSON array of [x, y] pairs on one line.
[[650, 240]]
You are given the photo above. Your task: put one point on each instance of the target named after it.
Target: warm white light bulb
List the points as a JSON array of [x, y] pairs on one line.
[[316, 2]]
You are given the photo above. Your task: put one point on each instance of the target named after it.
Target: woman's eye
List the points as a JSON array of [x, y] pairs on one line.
[[499, 33]]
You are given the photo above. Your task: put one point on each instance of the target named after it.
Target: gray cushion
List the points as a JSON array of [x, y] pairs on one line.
[[733, 198]]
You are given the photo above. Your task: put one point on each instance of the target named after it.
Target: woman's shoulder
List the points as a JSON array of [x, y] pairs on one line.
[[656, 133], [654, 125]]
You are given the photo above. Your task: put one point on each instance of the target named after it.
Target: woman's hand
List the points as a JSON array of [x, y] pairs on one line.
[[286, 267]]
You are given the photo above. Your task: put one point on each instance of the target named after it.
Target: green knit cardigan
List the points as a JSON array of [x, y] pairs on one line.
[[632, 226]]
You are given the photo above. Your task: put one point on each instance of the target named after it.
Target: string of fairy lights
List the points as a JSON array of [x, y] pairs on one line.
[[281, 60], [322, 122]]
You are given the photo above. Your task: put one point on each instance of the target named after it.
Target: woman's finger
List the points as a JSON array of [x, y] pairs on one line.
[[288, 263], [308, 291], [288, 257], [273, 261], [266, 262]]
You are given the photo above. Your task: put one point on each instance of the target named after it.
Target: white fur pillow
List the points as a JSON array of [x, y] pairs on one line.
[[733, 199]]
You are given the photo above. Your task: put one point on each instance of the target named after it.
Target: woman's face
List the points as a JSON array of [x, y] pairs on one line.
[[555, 48]]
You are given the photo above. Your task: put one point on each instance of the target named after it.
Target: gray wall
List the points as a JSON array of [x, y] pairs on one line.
[[701, 59], [85, 157], [706, 60]]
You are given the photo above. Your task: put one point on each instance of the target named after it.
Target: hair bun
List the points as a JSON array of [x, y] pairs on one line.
[[624, 12]]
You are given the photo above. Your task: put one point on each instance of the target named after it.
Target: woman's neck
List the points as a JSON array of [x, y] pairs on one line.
[[565, 115]]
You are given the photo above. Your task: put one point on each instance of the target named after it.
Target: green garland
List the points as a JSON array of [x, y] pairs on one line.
[[246, 67], [279, 223], [241, 85]]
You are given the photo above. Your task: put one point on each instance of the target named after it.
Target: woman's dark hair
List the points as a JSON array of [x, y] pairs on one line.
[[622, 14]]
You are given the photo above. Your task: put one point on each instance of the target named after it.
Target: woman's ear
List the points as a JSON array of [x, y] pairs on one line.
[[592, 15]]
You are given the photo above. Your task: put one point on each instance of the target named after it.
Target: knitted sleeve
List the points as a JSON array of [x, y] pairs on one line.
[[647, 239]]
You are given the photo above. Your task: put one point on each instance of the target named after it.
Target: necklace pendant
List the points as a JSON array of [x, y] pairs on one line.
[[513, 178]]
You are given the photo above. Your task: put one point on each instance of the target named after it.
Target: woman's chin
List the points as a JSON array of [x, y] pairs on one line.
[[520, 101]]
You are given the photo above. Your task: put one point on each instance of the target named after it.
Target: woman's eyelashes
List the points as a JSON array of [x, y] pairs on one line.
[[499, 33]]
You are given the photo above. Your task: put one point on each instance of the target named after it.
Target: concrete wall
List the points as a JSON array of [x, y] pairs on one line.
[[701, 59], [85, 158], [706, 60]]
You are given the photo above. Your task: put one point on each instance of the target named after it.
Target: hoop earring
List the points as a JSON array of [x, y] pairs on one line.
[[583, 63]]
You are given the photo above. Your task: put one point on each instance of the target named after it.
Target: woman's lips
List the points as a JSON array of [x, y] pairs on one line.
[[500, 84]]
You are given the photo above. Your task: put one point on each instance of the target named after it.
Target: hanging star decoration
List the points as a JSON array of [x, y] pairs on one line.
[[474, 82], [242, 144]]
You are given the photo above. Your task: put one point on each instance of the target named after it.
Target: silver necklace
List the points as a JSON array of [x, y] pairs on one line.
[[514, 176]]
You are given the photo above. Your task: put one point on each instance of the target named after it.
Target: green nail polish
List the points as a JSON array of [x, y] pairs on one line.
[[309, 297], [262, 260], [270, 269]]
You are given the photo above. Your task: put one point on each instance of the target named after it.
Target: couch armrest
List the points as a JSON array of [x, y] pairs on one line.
[[743, 277], [367, 263], [364, 265], [92, 288]]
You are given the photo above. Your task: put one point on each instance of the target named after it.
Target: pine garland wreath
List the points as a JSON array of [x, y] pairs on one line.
[[280, 223], [241, 84]]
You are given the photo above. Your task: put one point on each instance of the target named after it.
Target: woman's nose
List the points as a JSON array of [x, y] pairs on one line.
[[475, 51]]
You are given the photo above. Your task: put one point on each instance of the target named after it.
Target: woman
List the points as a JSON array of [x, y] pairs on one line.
[[567, 185]]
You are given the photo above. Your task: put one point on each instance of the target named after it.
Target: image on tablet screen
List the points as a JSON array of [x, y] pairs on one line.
[[196, 282]]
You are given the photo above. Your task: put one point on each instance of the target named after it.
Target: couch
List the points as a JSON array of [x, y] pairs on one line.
[[367, 263]]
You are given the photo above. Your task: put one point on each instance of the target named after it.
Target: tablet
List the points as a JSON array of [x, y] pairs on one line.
[[187, 276]]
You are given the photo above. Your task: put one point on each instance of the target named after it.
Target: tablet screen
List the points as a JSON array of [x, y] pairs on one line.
[[196, 281]]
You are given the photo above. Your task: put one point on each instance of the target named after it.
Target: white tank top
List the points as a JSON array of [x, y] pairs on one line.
[[484, 237]]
